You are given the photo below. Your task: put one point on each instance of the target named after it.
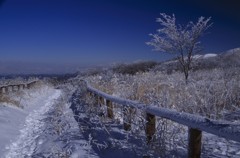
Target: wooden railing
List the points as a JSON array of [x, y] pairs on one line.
[[196, 124], [16, 87]]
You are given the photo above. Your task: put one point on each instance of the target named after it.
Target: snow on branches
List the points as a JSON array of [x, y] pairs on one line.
[[179, 39]]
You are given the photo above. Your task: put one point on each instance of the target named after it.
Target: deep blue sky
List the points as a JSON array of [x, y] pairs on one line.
[[61, 35]]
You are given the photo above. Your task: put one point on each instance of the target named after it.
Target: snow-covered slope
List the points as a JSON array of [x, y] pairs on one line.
[[231, 52], [209, 55], [230, 58], [232, 55], [44, 127], [25, 145], [10, 121], [235, 50], [204, 56], [12, 118]]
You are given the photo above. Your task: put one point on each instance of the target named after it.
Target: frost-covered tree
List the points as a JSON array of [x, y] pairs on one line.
[[178, 39]]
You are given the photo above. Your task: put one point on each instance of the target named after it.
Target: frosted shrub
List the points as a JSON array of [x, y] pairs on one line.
[[210, 93]]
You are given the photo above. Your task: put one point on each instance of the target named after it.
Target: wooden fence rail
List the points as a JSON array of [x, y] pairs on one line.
[[16, 87], [196, 124]]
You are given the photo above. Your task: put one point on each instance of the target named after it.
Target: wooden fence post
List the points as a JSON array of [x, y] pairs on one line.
[[150, 127], [90, 94], [10, 88], [5, 90], [18, 87], [101, 101], [194, 143], [95, 103], [21, 87], [109, 109], [96, 100], [127, 118], [15, 88]]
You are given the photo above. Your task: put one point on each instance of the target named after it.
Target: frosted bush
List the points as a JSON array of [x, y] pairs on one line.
[[210, 93]]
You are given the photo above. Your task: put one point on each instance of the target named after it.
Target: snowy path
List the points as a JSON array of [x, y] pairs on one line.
[[25, 143], [45, 127]]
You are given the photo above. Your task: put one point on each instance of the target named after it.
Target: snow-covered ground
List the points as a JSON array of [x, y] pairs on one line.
[[12, 118], [161, 89], [44, 127], [25, 144], [197, 56]]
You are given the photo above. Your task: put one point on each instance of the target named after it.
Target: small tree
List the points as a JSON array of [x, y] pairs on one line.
[[178, 39]]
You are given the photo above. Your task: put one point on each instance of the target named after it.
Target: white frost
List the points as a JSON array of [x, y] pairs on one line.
[[25, 143]]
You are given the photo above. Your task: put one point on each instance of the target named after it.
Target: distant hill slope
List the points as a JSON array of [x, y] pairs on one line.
[[230, 58]]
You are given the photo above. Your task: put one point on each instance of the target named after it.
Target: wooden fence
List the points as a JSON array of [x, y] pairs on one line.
[[196, 124], [16, 87]]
